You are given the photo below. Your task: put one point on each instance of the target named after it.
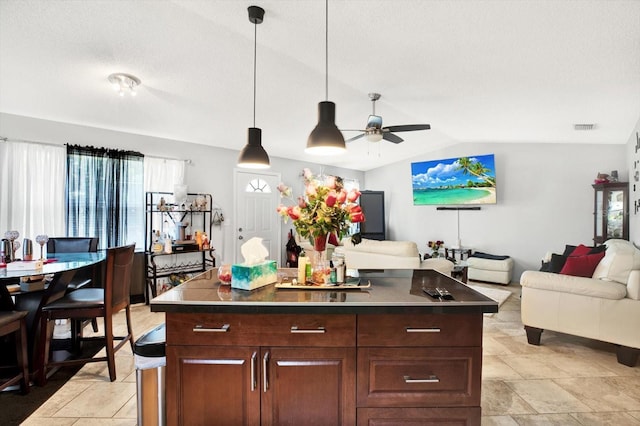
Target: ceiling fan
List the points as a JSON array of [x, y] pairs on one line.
[[375, 132]]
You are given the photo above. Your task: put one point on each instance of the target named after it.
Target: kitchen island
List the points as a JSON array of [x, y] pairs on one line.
[[388, 354]]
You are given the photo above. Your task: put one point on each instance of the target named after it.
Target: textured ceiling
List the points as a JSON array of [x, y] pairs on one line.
[[489, 71]]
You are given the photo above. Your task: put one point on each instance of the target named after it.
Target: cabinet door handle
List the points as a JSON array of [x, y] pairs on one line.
[[423, 330], [319, 330], [254, 373], [202, 329], [431, 379], [265, 374]]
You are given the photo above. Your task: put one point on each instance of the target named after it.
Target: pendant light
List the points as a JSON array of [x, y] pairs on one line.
[[326, 138], [253, 155]]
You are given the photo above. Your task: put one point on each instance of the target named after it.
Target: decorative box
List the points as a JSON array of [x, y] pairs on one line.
[[25, 265], [245, 277]]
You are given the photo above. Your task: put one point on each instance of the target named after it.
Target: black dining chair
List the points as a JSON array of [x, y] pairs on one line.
[[82, 278], [92, 303], [13, 323]]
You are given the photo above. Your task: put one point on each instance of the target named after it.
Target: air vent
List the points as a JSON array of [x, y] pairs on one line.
[[584, 126]]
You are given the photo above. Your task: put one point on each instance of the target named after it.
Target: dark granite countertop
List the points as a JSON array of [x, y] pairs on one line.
[[392, 291]]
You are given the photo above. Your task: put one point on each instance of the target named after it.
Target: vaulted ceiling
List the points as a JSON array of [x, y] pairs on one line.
[[481, 70]]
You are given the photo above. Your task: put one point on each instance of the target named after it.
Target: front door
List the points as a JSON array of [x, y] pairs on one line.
[[256, 201]]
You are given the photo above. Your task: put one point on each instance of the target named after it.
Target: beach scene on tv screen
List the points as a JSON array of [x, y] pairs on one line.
[[461, 180]]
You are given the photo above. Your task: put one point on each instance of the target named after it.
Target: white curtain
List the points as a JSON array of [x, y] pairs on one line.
[[161, 174], [32, 189]]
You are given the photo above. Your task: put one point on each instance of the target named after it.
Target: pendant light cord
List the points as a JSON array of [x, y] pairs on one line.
[[255, 48], [326, 50]]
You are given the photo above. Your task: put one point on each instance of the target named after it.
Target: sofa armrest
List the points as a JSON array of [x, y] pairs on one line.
[[633, 285]]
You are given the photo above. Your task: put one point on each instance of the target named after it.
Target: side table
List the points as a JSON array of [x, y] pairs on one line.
[[459, 254], [460, 272]]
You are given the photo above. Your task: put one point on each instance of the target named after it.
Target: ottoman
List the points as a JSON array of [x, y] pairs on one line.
[[490, 268]]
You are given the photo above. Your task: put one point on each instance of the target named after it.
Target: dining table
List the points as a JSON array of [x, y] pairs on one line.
[[57, 273]]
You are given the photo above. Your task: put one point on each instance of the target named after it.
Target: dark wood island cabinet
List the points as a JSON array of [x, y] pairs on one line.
[[385, 355]]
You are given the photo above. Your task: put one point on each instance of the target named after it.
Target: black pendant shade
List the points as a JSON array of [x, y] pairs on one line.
[[253, 155], [326, 138]]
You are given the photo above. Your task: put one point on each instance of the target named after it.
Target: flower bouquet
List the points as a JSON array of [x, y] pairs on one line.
[[325, 212], [435, 247]]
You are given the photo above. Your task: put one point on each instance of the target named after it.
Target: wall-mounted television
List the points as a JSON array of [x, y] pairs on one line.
[[454, 181]]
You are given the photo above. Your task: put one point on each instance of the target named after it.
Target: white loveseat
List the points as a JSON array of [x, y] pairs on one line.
[[605, 307], [374, 254]]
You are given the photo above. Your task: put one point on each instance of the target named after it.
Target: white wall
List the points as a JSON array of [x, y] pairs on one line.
[[544, 193], [210, 171]]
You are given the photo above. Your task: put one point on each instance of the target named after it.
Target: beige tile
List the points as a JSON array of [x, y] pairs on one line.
[[493, 368], [534, 366], [100, 400], [129, 410], [600, 394], [105, 422], [499, 399], [629, 385], [498, 421], [545, 396], [605, 419], [546, 420], [48, 421], [62, 397]]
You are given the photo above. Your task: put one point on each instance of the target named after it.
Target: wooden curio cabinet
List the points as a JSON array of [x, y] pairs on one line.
[[611, 211]]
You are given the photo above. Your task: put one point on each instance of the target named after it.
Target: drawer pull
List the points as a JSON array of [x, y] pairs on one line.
[[265, 372], [319, 330], [422, 330], [431, 379], [202, 329], [254, 373]]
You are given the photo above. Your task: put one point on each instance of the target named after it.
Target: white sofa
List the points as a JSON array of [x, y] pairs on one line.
[[374, 254], [605, 307]]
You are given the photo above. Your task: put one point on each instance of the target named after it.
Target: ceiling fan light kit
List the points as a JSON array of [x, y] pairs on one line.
[[253, 155], [326, 138]]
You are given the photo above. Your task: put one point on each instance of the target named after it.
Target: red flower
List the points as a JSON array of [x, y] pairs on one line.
[[332, 197]]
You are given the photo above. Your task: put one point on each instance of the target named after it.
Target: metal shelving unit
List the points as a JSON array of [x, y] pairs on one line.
[[163, 214]]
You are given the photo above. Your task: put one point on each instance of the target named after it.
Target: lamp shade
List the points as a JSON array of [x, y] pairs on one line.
[[253, 155], [326, 138]]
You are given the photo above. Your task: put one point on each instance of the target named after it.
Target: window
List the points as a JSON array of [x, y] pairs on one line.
[[258, 185], [105, 196]]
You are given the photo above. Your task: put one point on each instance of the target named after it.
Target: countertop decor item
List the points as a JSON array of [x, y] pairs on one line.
[[325, 212]]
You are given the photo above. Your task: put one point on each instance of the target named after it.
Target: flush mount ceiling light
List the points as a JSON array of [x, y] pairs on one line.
[[326, 138], [253, 155], [122, 83]]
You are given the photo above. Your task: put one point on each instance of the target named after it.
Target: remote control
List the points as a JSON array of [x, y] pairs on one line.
[[431, 292], [444, 293]]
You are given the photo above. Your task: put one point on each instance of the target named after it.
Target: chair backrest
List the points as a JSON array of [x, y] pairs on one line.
[[117, 284], [72, 244]]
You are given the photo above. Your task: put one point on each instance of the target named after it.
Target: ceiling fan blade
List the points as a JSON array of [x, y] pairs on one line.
[[392, 138], [354, 138], [408, 127]]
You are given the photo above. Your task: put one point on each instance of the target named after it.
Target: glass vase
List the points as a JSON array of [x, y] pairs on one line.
[[319, 265]]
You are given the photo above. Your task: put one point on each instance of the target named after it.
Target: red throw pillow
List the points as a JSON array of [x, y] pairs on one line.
[[582, 266], [581, 250]]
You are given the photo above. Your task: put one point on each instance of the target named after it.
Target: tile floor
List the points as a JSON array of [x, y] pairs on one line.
[[565, 381]]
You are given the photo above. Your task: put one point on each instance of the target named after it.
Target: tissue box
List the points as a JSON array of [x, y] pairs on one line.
[[245, 277]]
